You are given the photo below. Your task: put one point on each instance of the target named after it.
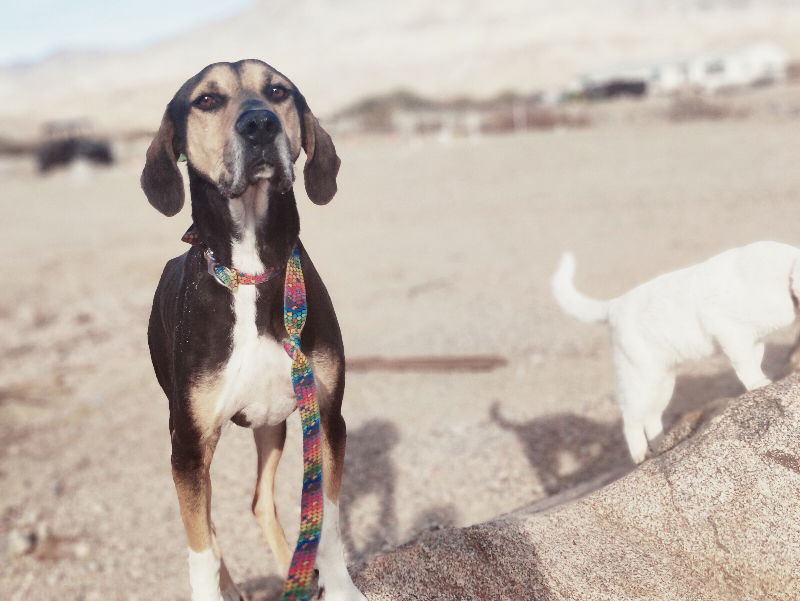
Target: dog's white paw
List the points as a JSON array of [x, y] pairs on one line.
[[339, 587], [350, 593], [204, 568], [638, 449], [759, 383]]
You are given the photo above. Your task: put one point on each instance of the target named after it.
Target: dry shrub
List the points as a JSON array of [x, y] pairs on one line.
[[793, 71], [695, 108], [15, 148], [375, 113], [507, 120]]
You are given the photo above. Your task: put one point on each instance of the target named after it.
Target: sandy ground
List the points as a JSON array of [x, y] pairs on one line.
[[427, 249]]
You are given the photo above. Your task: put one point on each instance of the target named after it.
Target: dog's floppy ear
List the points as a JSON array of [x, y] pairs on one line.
[[322, 163], [161, 180]]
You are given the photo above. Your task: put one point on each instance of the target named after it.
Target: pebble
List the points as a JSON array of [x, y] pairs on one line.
[[18, 543], [81, 550], [57, 488]]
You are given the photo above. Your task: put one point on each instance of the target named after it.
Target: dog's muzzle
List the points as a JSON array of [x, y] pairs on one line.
[[261, 141]]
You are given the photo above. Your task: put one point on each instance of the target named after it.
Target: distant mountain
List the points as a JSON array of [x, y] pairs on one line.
[[338, 52]]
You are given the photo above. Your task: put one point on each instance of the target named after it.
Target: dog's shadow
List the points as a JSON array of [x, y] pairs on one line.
[[566, 450], [370, 472], [371, 476], [267, 588]]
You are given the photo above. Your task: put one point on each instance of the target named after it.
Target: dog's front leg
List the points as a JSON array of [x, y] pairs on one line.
[[191, 462], [334, 579], [269, 446]]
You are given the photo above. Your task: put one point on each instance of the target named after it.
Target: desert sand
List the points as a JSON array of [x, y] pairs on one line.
[[428, 249]]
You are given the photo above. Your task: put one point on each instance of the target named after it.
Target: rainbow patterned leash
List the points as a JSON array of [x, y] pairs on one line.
[[297, 586]]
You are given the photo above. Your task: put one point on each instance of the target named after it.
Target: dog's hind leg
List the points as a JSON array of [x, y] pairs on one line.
[[191, 461], [746, 356], [334, 579], [269, 446], [661, 396]]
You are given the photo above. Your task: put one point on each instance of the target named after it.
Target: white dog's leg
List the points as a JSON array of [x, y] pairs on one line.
[[634, 436], [333, 575], [643, 394], [653, 427], [662, 395], [746, 357], [632, 403]]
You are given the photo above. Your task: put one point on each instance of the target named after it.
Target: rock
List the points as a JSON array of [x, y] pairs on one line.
[[715, 518], [19, 543], [57, 488]]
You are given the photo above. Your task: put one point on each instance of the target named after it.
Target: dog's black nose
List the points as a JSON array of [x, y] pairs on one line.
[[258, 126]]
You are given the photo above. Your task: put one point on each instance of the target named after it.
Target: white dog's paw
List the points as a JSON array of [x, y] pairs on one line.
[[350, 593], [637, 443], [340, 589], [759, 383]]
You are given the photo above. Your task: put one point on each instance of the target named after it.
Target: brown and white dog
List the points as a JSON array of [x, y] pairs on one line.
[[217, 353]]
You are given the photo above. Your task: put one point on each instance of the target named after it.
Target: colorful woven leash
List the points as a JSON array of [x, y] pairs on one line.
[[297, 586]]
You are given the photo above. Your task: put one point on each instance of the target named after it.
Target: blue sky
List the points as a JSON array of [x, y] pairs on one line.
[[32, 29]]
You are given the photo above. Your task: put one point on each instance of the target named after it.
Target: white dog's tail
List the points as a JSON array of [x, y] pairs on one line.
[[583, 308]]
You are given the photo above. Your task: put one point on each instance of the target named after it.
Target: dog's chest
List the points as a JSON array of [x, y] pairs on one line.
[[257, 387]]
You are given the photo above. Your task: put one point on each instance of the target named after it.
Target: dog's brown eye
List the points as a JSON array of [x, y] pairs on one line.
[[276, 92], [208, 102]]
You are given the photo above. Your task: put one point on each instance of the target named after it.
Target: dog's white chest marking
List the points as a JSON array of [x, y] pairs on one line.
[[257, 376]]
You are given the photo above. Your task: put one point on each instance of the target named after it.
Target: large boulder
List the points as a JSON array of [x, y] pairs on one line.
[[716, 517]]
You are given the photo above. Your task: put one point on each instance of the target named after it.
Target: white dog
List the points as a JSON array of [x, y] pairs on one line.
[[733, 299]]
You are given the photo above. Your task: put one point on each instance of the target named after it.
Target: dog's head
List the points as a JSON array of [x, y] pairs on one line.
[[238, 124]]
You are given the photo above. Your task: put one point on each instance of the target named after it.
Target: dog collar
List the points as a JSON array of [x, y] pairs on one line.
[[226, 276]]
